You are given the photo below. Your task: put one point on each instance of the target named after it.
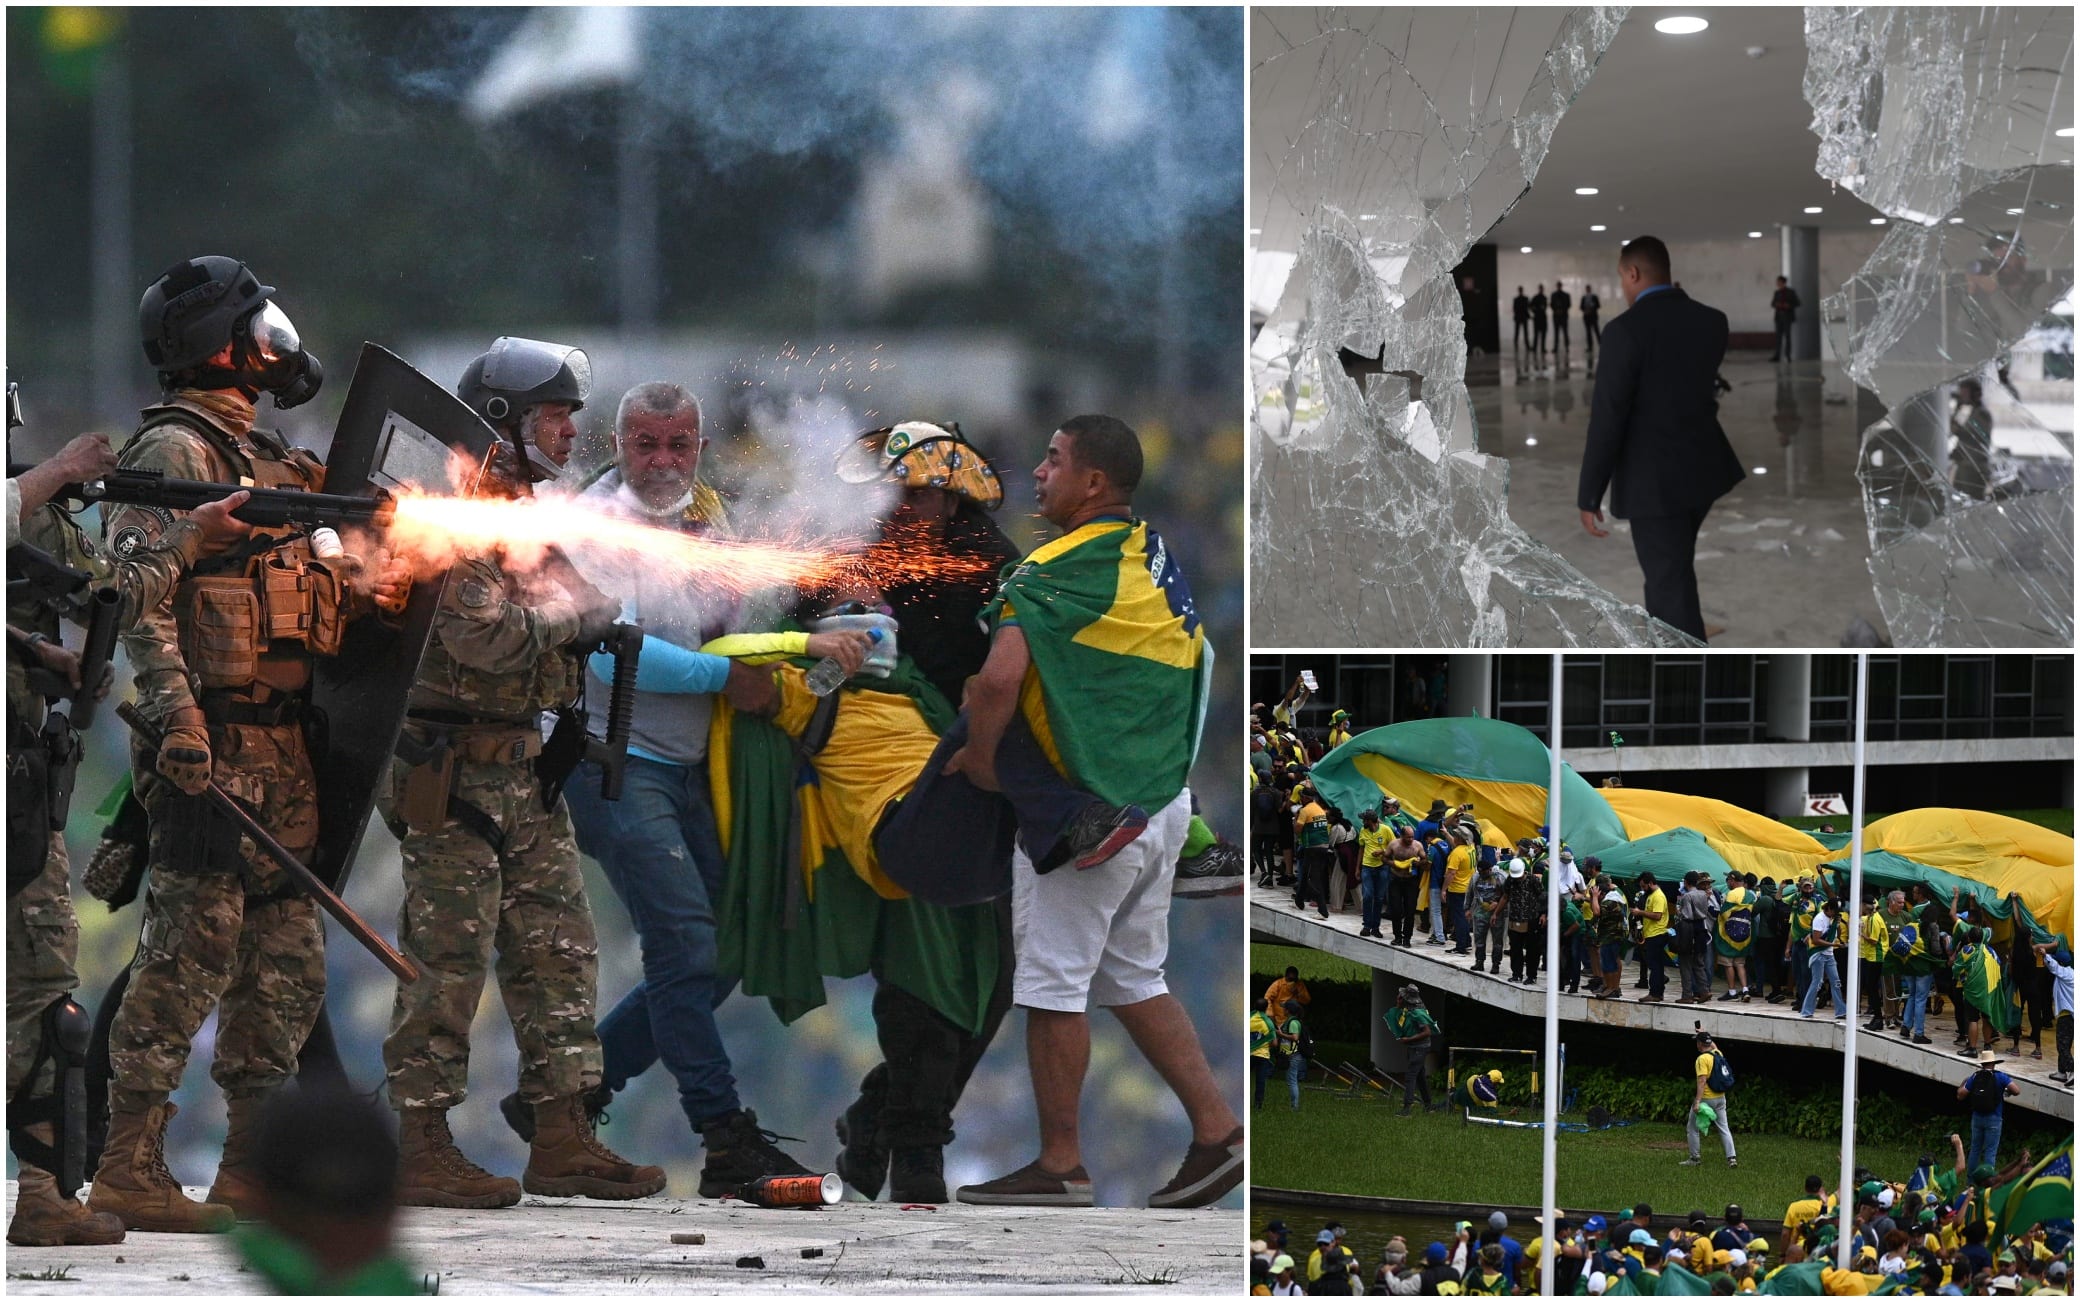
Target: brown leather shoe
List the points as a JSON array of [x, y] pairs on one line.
[[432, 1172], [45, 1218], [238, 1180], [133, 1183], [567, 1161]]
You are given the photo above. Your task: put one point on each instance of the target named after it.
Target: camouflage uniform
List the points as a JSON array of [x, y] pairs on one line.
[[495, 662], [225, 927], [42, 932]]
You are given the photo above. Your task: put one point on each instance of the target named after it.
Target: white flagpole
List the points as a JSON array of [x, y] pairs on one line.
[[1853, 919], [1551, 1171]]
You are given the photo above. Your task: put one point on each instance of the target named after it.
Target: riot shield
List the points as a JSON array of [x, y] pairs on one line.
[[398, 429]]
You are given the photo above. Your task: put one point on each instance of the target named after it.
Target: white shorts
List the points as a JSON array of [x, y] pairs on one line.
[[1099, 935]]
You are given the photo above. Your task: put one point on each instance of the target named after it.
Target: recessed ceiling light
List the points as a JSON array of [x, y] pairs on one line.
[[1681, 26], [2066, 132], [2014, 212], [1599, 228], [1754, 235], [1762, 470], [1525, 249], [1957, 221], [1812, 210], [1877, 221], [1585, 189], [1530, 442]]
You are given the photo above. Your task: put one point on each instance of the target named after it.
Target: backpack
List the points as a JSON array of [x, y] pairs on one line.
[[1303, 1043], [1738, 924], [1983, 1092], [1721, 1078], [1487, 859], [1906, 941]]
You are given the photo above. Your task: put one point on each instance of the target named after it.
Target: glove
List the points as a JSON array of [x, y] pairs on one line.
[[594, 622], [184, 757]]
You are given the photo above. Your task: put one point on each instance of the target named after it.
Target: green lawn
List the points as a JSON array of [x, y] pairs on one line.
[[1267, 962], [1340, 1145], [2057, 820]]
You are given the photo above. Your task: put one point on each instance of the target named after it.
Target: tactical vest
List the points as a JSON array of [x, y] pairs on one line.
[[553, 679], [259, 612]]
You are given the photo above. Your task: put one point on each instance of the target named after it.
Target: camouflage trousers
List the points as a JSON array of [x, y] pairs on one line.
[[225, 927], [462, 900], [42, 947]]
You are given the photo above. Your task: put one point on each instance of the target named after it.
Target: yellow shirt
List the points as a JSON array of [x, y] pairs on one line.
[[1704, 1073], [1798, 1213], [1373, 843], [1876, 936], [1458, 870], [1656, 903]]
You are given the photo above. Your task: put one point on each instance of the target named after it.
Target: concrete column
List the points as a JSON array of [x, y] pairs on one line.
[[1471, 685], [1801, 266], [1386, 1050], [1788, 716]]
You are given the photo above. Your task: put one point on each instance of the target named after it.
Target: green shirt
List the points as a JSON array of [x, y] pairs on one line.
[[1411, 1026]]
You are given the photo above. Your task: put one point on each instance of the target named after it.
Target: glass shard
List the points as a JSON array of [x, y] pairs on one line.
[[1969, 500], [1390, 141]]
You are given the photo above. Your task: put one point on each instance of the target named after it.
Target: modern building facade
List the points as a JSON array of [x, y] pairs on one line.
[[1764, 731]]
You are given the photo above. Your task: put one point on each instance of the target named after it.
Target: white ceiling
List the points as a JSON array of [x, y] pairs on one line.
[[1685, 137]]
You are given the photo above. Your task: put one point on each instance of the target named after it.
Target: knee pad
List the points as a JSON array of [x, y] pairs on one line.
[[65, 1032]]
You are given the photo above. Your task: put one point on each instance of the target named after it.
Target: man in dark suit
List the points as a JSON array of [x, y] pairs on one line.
[[1559, 303], [1654, 435], [1538, 320], [1520, 313]]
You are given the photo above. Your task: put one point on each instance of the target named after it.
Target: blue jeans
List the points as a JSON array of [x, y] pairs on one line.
[[1820, 968], [1372, 889], [1455, 920], [1296, 1067], [1437, 904], [658, 847], [1986, 1140], [1917, 988]]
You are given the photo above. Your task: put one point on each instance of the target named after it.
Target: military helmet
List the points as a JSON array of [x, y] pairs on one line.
[[210, 321], [520, 373]]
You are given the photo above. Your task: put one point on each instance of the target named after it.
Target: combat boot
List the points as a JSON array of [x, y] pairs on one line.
[[133, 1184], [238, 1176], [739, 1152], [519, 1113], [45, 1218], [432, 1172], [917, 1175], [567, 1161], [862, 1157]]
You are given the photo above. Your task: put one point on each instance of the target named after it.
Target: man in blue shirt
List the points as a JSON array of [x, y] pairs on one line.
[[1984, 1091]]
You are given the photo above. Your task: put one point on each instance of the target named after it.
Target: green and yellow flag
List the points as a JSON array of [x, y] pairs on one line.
[[1117, 692], [2042, 1193], [1983, 983]]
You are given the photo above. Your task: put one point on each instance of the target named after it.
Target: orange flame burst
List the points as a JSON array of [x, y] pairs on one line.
[[434, 531]]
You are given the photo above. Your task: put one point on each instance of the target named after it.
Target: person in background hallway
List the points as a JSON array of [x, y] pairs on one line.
[[1589, 307], [1654, 437], [1971, 471], [1520, 313], [1538, 321], [1785, 304], [1560, 302]]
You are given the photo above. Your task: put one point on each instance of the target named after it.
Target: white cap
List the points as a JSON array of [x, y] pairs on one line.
[[1885, 1196], [1736, 1257], [1613, 897], [1597, 1281], [1516, 867]]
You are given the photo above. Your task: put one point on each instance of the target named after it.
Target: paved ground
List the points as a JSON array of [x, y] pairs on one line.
[[1272, 912], [577, 1246]]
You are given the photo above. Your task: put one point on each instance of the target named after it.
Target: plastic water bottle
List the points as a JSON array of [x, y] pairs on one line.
[[829, 673]]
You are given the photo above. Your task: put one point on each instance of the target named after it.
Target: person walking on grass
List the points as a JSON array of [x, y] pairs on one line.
[[1412, 1026], [1708, 1105], [1298, 1047]]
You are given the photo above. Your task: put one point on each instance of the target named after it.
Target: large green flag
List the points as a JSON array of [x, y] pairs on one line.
[[1121, 662], [1801, 1280], [2042, 1193]]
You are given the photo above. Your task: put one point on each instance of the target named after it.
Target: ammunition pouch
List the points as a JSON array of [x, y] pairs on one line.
[[66, 1030], [422, 798], [284, 594], [28, 805], [195, 836]]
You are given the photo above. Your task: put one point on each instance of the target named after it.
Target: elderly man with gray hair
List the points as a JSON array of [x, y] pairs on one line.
[[658, 844]]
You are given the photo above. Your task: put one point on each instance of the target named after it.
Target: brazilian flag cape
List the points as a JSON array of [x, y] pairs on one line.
[[1118, 689], [841, 926], [1982, 980]]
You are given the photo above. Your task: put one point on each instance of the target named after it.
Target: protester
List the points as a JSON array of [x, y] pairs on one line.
[[1984, 1091], [1708, 1106], [1415, 1030]]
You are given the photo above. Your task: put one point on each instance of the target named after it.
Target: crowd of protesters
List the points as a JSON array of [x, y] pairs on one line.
[[1940, 1232]]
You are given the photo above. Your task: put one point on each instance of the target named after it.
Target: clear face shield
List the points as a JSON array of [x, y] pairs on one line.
[[272, 356]]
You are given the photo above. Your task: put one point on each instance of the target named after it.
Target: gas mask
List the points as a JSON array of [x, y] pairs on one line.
[[267, 352]]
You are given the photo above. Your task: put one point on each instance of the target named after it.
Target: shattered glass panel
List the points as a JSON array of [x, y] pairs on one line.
[[1390, 141], [1969, 502]]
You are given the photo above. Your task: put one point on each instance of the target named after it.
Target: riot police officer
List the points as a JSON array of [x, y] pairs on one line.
[[489, 858], [223, 665]]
